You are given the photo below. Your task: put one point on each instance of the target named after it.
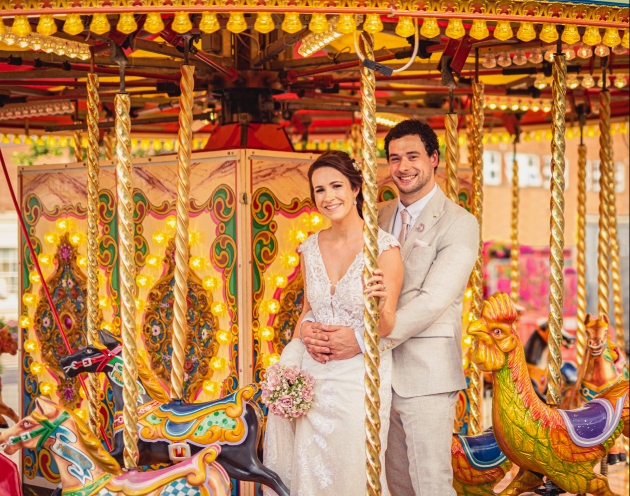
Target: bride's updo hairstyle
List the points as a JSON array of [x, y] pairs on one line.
[[344, 163]]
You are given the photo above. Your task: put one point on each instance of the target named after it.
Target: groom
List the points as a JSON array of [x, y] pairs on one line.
[[439, 241]]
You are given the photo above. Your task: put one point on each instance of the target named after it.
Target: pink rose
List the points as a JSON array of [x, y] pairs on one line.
[[285, 402], [307, 394], [266, 393], [273, 381], [276, 410], [291, 373], [308, 378]]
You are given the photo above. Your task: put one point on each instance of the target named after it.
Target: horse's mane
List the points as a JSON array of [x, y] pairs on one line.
[[93, 446], [154, 388]]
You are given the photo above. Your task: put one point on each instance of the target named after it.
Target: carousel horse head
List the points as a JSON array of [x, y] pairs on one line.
[[494, 336], [8, 344], [92, 358], [597, 331]]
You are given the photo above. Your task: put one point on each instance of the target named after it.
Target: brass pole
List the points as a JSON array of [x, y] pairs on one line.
[[180, 290], [603, 245], [581, 337], [370, 255], [127, 263], [108, 141], [452, 157], [355, 141], [92, 243], [615, 262], [78, 148], [515, 251], [556, 260]]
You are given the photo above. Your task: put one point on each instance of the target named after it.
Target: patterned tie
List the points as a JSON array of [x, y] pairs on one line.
[[406, 225]]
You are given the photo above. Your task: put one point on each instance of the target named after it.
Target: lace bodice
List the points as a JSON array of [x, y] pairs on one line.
[[345, 305]]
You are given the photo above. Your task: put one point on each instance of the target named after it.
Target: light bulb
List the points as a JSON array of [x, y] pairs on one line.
[[25, 321], [455, 29], [600, 82], [236, 23], [269, 360], [181, 23], [503, 105], [267, 333], [524, 107], [430, 28], [588, 81], [549, 33], [535, 57], [46, 388], [535, 107], [21, 27], [611, 37], [526, 31], [373, 24], [405, 27], [127, 23], [223, 336], [602, 50], [211, 387], [585, 51], [9, 39], [503, 30], [264, 23], [504, 59], [479, 29], [210, 283], [154, 24], [218, 309], [618, 50], [621, 81], [292, 23], [318, 23], [489, 61], [492, 106], [218, 363], [546, 108], [23, 42], [46, 25], [73, 24], [570, 34], [520, 58], [569, 51], [99, 24], [30, 346], [572, 81], [514, 107], [550, 53], [346, 24], [540, 82], [591, 36]]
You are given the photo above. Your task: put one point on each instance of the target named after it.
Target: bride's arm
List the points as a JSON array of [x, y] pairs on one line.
[[306, 306], [391, 266]]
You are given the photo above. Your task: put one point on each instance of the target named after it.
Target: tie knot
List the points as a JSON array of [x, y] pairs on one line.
[[405, 217]]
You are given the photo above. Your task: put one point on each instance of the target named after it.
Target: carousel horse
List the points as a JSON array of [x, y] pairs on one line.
[[86, 468], [536, 349], [7, 345], [562, 445], [603, 366], [171, 431]]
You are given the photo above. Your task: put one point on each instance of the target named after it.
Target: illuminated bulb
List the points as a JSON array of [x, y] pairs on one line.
[[550, 53], [157, 145], [292, 23], [193, 237], [547, 108], [591, 36], [76, 239], [45, 259], [591, 132], [520, 58], [25, 321], [144, 281], [159, 238], [100, 24], [611, 37], [585, 51], [569, 52], [73, 24], [211, 387], [318, 23], [171, 222], [600, 82], [127, 23], [9, 39], [549, 33], [236, 23], [267, 333], [492, 106], [540, 82], [218, 363], [62, 225], [618, 50], [153, 261], [454, 29], [153, 23], [269, 360], [524, 107], [570, 34], [405, 27], [34, 278], [21, 27], [210, 283], [503, 106], [107, 326], [290, 260], [346, 24], [29, 299], [535, 57], [570, 133], [515, 107], [46, 388], [504, 59], [169, 145], [479, 29], [572, 81], [280, 281], [104, 302], [316, 219], [297, 236], [430, 28], [264, 23], [223, 336], [503, 31], [30, 346], [196, 263], [36, 368], [526, 32], [140, 304], [181, 23], [621, 81], [373, 24], [602, 50], [218, 309], [489, 61]]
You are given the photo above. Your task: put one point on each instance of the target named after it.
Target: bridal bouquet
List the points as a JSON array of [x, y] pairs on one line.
[[287, 391]]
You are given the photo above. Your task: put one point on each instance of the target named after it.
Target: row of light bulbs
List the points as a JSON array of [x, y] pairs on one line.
[[587, 81], [345, 24], [47, 44], [520, 105]]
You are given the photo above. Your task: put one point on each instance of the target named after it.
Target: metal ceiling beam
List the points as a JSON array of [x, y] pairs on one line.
[[134, 122]]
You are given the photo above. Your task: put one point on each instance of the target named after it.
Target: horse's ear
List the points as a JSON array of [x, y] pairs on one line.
[[42, 404], [605, 318], [588, 318], [108, 339]]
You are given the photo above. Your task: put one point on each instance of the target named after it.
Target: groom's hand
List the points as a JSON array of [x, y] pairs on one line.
[[312, 332], [333, 342]]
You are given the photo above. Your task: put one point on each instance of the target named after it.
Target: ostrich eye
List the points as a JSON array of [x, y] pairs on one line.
[[497, 332]]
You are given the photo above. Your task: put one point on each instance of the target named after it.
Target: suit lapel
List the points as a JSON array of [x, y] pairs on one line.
[[386, 216], [429, 216]]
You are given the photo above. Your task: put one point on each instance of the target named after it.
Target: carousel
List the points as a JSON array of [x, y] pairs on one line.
[[159, 271]]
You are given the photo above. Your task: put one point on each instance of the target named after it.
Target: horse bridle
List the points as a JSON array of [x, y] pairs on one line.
[[46, 430], [103, 359]]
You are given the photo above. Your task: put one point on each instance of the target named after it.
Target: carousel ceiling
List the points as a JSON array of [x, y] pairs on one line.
[[296, 64]]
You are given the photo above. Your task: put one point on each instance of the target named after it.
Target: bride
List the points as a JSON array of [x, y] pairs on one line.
[[323, 453]]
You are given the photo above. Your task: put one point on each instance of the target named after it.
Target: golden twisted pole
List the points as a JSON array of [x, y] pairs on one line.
[[581, 337], [92, 242], [615, 262], [78, 149], [126, 250], [475, 392], [180, 291], [108, 140], [603, 244], [556, 260], [370, 255], [355, 141], [515, 251], [452, 157]]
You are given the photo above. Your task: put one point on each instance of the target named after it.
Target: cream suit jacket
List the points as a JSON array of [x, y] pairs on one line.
[[438, 255]]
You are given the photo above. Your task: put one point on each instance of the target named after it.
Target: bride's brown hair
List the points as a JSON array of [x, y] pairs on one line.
[[344, 163]]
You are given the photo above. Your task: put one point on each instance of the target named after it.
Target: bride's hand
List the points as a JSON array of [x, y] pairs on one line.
[[375, 287]]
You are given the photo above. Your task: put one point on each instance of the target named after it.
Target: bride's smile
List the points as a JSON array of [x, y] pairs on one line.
[[334, 196]]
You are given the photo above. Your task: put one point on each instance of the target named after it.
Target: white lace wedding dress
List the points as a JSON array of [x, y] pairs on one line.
[[323, 453]]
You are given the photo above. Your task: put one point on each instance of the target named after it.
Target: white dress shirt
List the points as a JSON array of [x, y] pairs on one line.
[[415, 209]]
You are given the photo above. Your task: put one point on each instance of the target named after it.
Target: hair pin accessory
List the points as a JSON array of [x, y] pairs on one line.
[[356, 165]]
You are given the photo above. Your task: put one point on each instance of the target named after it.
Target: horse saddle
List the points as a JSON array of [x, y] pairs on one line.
[[482, 450], [570, 372], [593, 423]]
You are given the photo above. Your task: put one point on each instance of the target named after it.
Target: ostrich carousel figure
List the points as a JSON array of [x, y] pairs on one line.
[[562, 445]]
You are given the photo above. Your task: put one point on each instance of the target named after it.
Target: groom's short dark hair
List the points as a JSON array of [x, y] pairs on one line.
[[414, 127]]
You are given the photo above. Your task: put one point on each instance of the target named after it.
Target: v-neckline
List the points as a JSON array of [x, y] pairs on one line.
[[321, 259]]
